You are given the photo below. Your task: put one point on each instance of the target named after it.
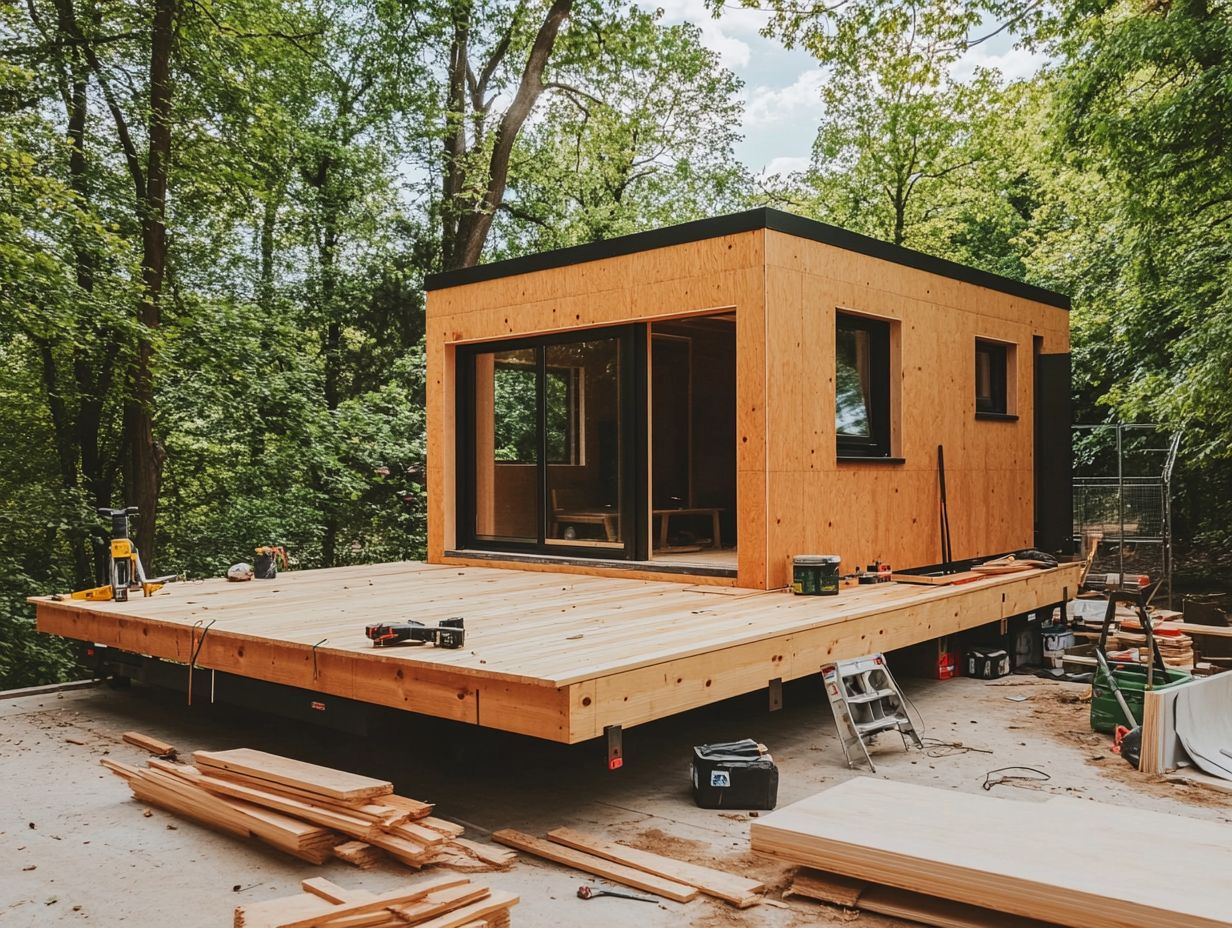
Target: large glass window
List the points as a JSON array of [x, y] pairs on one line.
[[506, 445], [862, 386], [545, 444]]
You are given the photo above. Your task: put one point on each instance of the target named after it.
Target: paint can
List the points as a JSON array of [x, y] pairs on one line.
[[815, 574]]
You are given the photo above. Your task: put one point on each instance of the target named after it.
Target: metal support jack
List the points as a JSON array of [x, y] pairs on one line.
[[776, 694], [866, 701], [615, 747]]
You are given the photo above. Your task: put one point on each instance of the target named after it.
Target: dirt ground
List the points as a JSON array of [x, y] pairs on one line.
[[76, 849]]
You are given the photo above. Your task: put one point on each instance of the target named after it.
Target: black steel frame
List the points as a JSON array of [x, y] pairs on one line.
[[633, 441]]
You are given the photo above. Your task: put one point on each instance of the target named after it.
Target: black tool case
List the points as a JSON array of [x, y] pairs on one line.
[[734, 775]]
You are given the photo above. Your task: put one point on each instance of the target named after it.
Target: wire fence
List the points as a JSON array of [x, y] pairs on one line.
[[1123, 495]]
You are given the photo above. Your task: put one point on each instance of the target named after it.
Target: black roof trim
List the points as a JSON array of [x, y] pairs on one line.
[[735, 223]]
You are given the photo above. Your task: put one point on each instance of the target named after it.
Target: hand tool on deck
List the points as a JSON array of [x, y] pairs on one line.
[[590, 892], [448, 634], [125, 571]]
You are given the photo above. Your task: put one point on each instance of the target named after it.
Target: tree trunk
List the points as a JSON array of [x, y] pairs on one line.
[[145, 453], [455, 135], [464, 242]]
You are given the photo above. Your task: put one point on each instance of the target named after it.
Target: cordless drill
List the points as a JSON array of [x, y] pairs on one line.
[[448, 634]]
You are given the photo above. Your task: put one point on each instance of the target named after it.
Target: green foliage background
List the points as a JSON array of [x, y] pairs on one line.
[[305, 208]]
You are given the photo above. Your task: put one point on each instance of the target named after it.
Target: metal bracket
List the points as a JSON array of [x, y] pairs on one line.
[[615, 747], [776, 694]]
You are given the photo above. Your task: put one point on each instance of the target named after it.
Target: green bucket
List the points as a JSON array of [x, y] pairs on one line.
[[815, 574], [1106, 714]]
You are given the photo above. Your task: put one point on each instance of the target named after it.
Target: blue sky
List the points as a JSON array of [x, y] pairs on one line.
[[782, 99]]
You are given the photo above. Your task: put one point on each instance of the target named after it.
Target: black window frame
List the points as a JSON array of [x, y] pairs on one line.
[[633, 441], [878, 331], [999, 361]]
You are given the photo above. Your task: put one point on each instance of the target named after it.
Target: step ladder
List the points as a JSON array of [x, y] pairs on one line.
[[866, 702]]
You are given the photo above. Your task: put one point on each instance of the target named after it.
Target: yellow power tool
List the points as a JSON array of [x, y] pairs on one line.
[[126, 572]]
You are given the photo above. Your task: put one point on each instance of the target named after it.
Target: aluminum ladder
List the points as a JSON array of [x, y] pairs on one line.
[[866, 701]]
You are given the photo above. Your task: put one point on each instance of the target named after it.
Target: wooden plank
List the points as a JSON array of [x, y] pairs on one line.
[[285, 771], [497, 902], [739, 891], [939, 913], [330, 891], [271, 914], [149, 743], [589, 863], [887, 832]]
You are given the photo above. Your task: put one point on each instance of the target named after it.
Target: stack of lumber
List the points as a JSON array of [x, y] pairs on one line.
[[900, 903], [440, 903], [1176, 650], [672, 879], [1002, 853], [307, 810]]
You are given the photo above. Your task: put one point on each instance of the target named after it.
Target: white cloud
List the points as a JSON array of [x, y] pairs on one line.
[[719, 35], [800, 99], [785, 164], [1013, 63]]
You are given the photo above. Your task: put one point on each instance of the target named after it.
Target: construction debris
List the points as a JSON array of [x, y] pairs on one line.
[[739, 891], [314, 813], [672, 879], [440, 903], [591, 863], [900, 903], [155, 746]]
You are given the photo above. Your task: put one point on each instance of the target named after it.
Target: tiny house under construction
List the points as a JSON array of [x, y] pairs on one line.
[[716, 397], [627, 444]]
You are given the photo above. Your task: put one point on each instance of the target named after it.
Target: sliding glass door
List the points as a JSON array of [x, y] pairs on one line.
[[551, 445]]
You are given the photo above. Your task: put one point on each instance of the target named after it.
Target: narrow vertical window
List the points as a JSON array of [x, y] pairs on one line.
[[991, 362], [862, 386]]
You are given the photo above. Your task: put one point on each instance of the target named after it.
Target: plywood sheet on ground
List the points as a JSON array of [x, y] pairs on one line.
[[1002, 853]]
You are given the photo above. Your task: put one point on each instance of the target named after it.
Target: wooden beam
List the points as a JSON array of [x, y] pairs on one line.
[[299, 775], [737, 890], [589, 863]]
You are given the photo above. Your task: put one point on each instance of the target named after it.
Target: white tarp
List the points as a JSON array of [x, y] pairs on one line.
[[1204, 723]]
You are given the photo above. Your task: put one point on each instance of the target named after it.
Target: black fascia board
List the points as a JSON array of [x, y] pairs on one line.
[[734, 224]]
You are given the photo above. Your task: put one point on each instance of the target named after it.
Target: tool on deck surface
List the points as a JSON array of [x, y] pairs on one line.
[[125, 572], [448, 634], [590, 892], [866, 701]]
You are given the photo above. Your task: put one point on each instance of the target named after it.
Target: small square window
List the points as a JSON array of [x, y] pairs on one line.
[[991, 365], [862, 386]]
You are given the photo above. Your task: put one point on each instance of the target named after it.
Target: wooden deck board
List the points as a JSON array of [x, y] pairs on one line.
[[553, 655]]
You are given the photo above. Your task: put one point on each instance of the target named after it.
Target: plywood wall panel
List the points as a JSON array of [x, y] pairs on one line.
[[866, 511]]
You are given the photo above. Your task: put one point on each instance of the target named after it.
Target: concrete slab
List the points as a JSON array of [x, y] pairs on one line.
[[76, 849]]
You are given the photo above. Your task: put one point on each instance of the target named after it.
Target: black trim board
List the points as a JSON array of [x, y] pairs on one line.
[[734, 224]]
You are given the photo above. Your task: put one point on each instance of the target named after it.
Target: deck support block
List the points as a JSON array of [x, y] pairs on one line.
[[776, 694], [615, 746]]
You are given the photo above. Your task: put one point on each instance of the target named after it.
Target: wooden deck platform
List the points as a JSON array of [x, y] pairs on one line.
[[556, 656]]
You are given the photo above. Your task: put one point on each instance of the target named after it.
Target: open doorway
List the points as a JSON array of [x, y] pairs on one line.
[[693, 441]]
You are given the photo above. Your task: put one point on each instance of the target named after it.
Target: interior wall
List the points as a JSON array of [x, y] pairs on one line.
[[711, 433], [870, 510]]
